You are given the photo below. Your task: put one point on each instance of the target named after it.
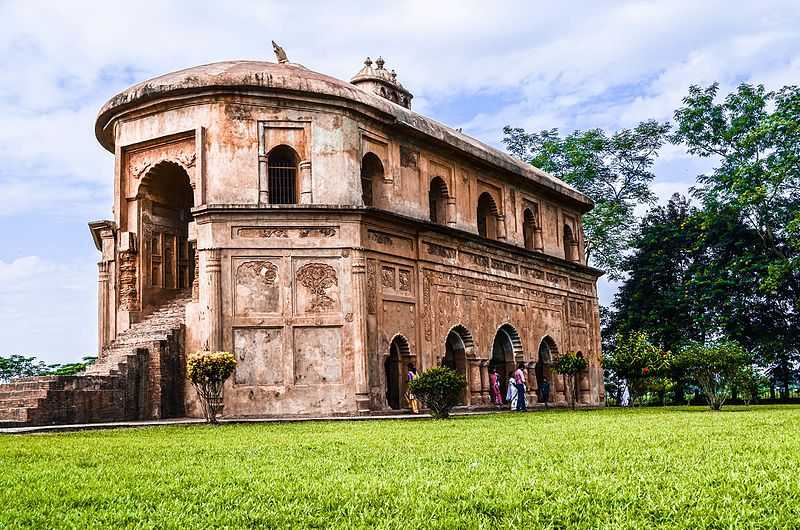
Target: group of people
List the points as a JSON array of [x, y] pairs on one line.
[[515, 391]]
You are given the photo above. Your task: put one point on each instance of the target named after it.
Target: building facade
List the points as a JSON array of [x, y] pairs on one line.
[[328, 236]]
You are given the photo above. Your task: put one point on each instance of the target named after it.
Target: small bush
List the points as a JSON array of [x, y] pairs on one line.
[[207, 372], [439, 388], [570, 365]]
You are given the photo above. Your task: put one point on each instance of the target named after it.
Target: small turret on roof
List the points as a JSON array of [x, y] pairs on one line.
[[382, 82]]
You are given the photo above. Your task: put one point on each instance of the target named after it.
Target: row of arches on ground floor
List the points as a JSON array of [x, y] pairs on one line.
[[458, 353]]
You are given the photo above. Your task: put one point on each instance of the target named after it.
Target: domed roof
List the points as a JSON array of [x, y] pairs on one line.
[[268, 77]]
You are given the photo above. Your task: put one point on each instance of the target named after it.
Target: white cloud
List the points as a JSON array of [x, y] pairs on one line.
[[48, 309], [567, 65]]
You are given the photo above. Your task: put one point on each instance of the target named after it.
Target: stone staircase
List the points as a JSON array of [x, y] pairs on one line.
[[161, 325], [138, 376]]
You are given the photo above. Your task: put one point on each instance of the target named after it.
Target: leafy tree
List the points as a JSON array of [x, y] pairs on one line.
[[570, 365], [208, 372], [16, 366], [754, 134], [714, 366], [73, 368], [439, 388], [613, 170], [637, 361], [748, 382]]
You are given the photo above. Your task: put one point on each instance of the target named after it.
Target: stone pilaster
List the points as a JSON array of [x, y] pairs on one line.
[[485, 393], [532, 386], [474, 381], [502, 232], [451, 211], [538, 240], [213, 282], [304, 169], [359, 333], [103, 292]]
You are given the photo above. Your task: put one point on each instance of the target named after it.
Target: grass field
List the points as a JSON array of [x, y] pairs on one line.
[[677, 468]]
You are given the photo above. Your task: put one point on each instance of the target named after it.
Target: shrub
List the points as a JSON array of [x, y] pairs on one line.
[[570, 365], [714, 366], [638, 362], [207, 372], [439, 388]]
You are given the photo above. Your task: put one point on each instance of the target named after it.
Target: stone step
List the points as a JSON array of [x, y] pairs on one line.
[[22, 394], [14, 414], [12, 403]]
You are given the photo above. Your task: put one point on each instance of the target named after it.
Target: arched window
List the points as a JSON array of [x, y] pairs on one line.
[[282, 174], [437, 201], [371, 174], [529, 226], [487, 216], [570, 244]]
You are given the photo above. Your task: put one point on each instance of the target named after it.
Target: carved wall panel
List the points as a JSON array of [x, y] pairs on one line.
[[317, 355], [259, 356], [257, 288], [317, 288], [285, 232], [398, 318], [389, 242], [128, 294]]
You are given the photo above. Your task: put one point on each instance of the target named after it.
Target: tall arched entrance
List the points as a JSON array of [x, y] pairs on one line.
[[457, 346], [547, 351], [393, 371], [166, 199], [506, 352]]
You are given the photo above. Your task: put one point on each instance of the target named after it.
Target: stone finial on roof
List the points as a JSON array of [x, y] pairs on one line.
[[279, 53], [382, 82]]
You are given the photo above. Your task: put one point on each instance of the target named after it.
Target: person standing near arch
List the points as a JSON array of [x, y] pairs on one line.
[[411, 398], [494, 387], [519, 382]]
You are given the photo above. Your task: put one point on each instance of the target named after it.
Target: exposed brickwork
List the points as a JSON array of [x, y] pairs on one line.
[[139, 376]]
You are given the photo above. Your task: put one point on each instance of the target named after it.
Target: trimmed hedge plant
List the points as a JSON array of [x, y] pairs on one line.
[[439, 388], [207, 372]]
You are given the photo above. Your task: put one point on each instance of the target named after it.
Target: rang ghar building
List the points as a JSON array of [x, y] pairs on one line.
[[328, 236]]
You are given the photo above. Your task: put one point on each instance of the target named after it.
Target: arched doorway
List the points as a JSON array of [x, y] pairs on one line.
[[506, 352], [371, 175], [282, 175], [547, 351], [437, 201], [166, 199], [457, 346], [487, 216], [393, 371]]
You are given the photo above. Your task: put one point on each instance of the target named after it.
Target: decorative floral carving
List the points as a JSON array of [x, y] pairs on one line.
[[371, 286], [128, 295], [318, 278], [404, 278], [348, 317], [408, 157], [139, 169], [187, 160], [324, 231], [261, 273], [253, 232], [387, 277], [427, 278], [439, 250], [380, 237]]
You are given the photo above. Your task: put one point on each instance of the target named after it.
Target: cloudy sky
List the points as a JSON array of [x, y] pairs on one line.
[[476, 65]]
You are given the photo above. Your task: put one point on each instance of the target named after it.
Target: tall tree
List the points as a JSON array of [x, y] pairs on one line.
[[614, 170], [751, 202]]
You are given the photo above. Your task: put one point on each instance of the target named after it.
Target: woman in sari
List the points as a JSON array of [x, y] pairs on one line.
[[512, 393], [410, 398], [494, 382]]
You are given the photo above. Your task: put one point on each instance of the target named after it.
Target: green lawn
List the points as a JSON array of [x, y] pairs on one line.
[[684, 468]]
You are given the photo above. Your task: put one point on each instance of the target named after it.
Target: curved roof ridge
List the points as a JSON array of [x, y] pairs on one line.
[[265, 75]]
